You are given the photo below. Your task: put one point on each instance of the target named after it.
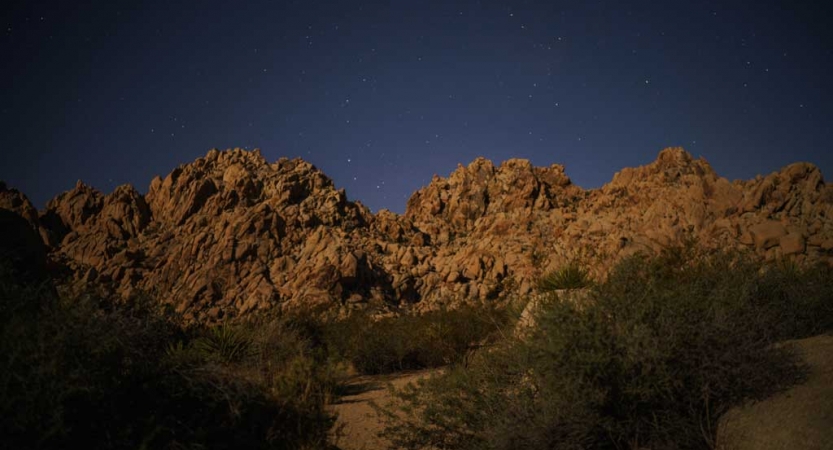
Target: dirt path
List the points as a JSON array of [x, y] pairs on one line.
[[355, 415], [799, 418]]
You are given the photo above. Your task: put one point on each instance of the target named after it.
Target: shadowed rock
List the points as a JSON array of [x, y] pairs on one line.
[[21, 249]]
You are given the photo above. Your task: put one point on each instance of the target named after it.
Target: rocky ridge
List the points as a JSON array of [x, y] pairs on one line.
[[230, 233]]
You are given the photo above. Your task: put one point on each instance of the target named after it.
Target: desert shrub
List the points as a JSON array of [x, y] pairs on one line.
[[664, 347], [795, 301], [87, 372], [413, 341], [288, 363], [268, 376], [224, 344], [570, 276]]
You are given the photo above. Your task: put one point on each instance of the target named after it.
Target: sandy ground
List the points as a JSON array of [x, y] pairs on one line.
[[357, 420], [799, 418]]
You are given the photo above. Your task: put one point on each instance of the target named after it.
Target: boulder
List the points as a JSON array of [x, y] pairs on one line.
[[792, 244], [767, 234]]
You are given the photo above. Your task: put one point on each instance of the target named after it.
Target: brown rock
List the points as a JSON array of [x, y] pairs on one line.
[[13, 200], [767, 234], [231, 234], [78, 209], [474, 269], [792, 243], [127, 209]]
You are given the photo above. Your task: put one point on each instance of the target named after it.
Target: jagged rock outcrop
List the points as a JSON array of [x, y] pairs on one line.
[[230, 233], [13, 200], [226, 235]]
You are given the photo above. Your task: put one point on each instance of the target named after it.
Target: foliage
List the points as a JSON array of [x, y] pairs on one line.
[[663, 348], [414, 341], [88, 372], [224, 344], [570, 276]]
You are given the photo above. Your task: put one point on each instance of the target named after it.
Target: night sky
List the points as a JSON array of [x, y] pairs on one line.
[[383, 95]]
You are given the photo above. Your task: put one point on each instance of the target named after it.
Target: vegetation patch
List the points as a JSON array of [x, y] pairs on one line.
[[661, 349], [415, 341], [570, 276], [86, 372]]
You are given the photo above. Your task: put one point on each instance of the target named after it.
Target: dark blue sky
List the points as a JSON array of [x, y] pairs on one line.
[[382, 95]]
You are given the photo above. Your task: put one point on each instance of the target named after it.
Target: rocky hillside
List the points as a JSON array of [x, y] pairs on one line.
[[232, 233]]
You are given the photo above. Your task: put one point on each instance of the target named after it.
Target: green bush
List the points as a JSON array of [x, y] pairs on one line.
[[86, 372], [571, 276], [663, 348], [413, 341]]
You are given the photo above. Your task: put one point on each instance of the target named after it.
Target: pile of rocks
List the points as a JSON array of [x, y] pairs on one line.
[[230, 233]]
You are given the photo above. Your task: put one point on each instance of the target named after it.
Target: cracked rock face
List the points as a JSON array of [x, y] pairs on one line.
[[231, 234]]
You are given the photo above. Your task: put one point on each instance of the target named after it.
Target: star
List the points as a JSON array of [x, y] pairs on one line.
[[466, 89]]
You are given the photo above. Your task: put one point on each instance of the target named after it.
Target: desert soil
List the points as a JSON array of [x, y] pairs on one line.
[[357, 420], [799, 418]]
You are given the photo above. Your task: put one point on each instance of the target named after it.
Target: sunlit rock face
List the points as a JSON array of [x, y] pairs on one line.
[[231, 234]]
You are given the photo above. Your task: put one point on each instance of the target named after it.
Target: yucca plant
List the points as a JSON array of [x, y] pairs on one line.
[[224, 344], [570, 276]]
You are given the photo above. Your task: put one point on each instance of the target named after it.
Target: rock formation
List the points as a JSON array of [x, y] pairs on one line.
[[230, 233]]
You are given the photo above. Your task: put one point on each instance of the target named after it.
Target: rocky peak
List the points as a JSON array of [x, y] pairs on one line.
[[673, 166], [185, 190], [673, 159], [125, 211], [14, 200], [78, 208], [798, 186], [674, 156], [230, 233], [223, 181], [481, 189]]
